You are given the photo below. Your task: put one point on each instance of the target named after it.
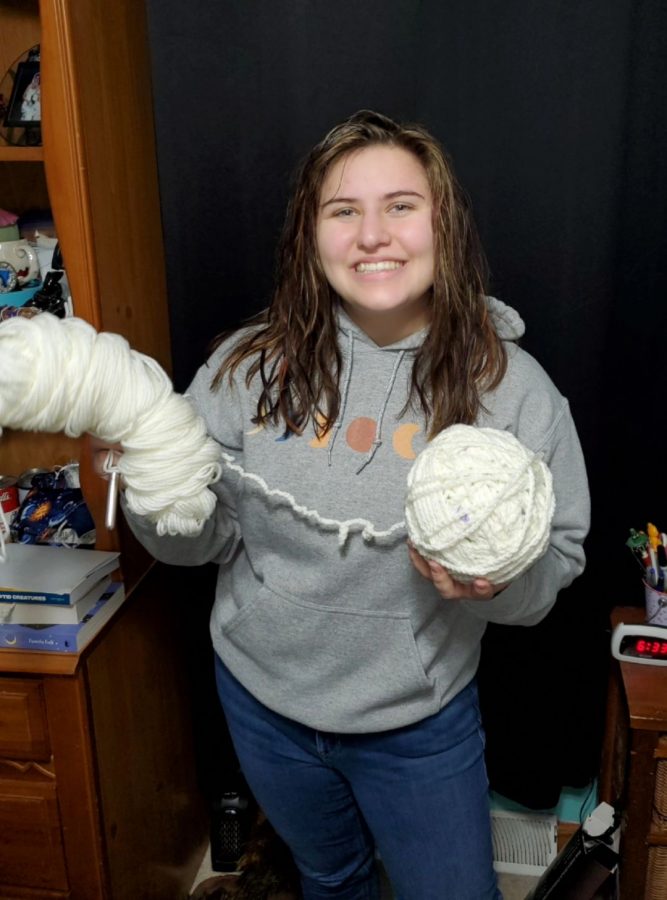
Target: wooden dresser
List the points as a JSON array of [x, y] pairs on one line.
[[98, 787], [98, 792], [634, 769]]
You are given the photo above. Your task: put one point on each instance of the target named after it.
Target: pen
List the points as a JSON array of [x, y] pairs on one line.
[[662, 567], [653, 535], [652, 569]]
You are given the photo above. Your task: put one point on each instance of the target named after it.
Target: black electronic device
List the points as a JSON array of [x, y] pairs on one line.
[[587, 867]]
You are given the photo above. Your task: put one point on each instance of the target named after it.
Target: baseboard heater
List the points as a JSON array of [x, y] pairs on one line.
[[523, 843]]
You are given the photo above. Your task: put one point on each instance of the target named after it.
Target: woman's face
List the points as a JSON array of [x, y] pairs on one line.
[[375, 240]]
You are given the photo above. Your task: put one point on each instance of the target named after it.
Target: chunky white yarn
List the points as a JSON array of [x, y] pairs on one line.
[[480, 504], [62, 375]]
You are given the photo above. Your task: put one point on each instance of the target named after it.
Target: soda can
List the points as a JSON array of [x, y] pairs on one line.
[[9, 502]]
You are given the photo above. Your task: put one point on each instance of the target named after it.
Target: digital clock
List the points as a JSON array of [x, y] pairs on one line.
[[646, 644]]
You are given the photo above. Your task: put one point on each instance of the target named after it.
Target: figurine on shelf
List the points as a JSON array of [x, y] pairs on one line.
[[49, 298], [30, 102], [23, 110]]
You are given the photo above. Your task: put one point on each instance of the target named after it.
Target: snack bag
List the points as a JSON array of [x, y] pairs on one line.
[[54, 512]]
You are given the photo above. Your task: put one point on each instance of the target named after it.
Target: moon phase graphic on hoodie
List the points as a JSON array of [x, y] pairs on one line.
[[360, 434]]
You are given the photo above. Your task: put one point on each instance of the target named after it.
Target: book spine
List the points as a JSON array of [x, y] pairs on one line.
[[52, 613], [20, 640], [63, 638], [34, 597], [34, 614]]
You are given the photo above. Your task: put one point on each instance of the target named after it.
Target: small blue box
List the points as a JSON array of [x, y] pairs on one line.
[[19, 298]]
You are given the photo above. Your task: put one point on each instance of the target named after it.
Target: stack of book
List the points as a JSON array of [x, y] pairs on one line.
[[56, 598]]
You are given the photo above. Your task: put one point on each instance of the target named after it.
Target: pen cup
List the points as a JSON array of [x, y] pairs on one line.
[[656, 606]]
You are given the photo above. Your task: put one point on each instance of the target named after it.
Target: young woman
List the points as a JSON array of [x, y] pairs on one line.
[[345, 661]]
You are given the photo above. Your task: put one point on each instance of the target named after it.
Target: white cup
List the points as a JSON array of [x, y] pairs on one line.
[[656, 606], [22, 257]]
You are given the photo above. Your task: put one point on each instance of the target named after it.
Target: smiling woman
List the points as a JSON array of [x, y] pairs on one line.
[[345, 660], [376, 245]]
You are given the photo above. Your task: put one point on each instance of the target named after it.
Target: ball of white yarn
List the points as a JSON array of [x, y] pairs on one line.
[[480, 503]]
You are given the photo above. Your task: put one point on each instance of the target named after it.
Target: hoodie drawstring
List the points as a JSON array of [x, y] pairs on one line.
[[378, 431], [343, 402], [377, 441]]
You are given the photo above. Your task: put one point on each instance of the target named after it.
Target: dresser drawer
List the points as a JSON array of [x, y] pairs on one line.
[[31, 849], [23, 729]]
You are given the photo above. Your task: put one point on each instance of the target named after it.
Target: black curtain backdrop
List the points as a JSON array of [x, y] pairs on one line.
[[554, 115]]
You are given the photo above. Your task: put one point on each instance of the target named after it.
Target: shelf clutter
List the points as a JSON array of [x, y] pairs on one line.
[[32, 273]]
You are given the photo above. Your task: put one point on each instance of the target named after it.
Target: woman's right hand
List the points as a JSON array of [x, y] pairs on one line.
[[103, 455]]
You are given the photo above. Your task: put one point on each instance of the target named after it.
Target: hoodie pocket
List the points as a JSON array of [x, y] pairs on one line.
[[352, 666]]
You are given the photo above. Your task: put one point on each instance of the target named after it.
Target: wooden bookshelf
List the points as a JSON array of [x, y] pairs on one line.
[[98, 789]]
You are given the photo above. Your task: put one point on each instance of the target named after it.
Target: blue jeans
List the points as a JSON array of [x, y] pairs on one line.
[[418, 794]]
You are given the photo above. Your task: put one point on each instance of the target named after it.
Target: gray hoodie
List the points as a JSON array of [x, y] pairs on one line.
[[318, 611]]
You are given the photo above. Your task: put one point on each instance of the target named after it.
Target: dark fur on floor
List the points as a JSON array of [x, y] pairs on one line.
[[266, 871]]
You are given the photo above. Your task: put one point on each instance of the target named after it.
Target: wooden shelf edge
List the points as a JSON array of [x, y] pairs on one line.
[[21, 154], [34, 662]]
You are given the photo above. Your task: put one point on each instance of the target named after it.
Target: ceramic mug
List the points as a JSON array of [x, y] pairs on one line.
[[22, 257], [656, 606]]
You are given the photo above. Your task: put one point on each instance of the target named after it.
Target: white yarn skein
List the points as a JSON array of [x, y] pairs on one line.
[[480, 503], [62, 375]]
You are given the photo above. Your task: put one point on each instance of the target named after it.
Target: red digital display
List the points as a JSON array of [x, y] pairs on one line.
[[652, 649]]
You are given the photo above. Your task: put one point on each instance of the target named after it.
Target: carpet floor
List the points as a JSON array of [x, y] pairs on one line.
[[513, 887]]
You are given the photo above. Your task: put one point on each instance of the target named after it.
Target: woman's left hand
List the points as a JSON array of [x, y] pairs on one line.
[[448, 587]]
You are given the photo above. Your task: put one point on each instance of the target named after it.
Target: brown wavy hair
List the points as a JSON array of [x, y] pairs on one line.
[[294, 347]]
